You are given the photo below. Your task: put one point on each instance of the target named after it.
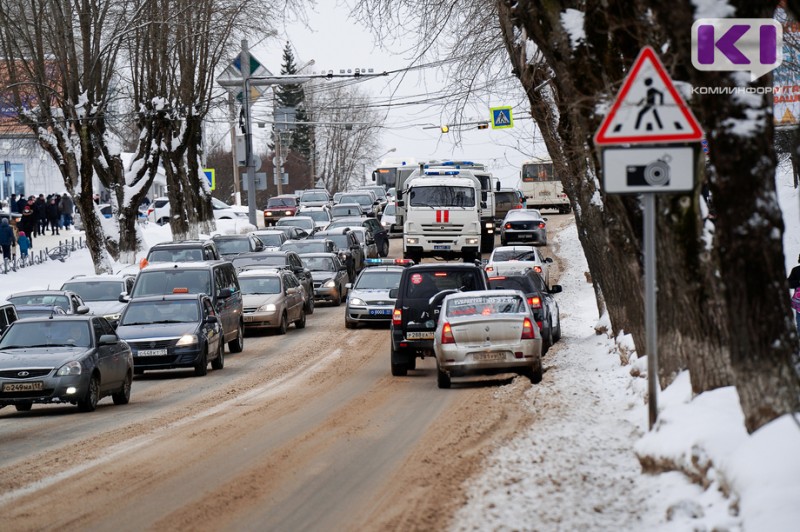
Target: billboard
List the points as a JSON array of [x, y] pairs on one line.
[[786, 79]]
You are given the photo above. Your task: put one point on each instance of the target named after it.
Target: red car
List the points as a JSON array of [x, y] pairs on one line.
[[279, 207]]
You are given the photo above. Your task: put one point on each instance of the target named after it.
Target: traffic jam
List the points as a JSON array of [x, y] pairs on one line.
[[447, 291]]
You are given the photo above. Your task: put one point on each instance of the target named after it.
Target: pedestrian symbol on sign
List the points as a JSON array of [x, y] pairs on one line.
[[650, 105]]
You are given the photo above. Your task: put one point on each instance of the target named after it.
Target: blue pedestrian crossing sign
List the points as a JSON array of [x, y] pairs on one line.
[[211, 175], [502, 118]]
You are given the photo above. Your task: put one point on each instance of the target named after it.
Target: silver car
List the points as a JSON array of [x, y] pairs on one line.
[[101, 293], [368, 299], [505, 259], [486, 332], [527, 226], [272, 299], [329, 274]]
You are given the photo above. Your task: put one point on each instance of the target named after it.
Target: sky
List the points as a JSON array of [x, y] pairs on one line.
[[336, 41]]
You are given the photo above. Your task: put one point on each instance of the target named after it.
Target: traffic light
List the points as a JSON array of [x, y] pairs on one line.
[[445, 129], [483, 125]]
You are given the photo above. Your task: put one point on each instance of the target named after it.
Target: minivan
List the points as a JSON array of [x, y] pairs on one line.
[[215, 278]]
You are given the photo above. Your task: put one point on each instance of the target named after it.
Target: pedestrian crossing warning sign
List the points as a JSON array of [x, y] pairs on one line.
[[502, 118], [211, 176], [648, 108]]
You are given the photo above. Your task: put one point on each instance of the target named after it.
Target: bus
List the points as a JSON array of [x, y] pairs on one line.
[[393, 172], [541, 187]]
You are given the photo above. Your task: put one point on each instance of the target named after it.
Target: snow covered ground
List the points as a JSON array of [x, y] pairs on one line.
[[577, 467]]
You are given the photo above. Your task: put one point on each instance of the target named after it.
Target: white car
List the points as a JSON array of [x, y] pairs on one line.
[[321, 215], [159, 212], [389, 219], [486, 332], [506, 259]]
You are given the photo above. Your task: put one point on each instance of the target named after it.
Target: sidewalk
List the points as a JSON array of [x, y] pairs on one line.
[[42, 246]]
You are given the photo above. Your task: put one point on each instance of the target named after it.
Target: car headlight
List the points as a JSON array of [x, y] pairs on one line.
[[329, 283], [472, 241], [358, 302], [384, 224], [187, 339], [269, 307], [112, 317], [268, 213], [288, 213], [412, 240], [70, 368]]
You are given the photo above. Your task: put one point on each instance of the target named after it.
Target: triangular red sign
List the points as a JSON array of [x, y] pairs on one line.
[[648, 108]]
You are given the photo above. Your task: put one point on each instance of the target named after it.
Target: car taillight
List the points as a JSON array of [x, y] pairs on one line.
[[517, 207], [535, 302], [527, 330], [541, 225], [150, 210], [397, 317], [508, 226], [447, 334], [537, 269]]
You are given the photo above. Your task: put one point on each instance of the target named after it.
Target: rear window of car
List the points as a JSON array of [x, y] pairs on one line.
[[484, 305], [512, 283], [164, 282], [175, 255], [424, 284], [506, 197], [503, 255], [233, 245], [260, 285]]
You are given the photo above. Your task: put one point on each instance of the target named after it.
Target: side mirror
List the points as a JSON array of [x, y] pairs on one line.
[[123, 297], [348, 285], [107, 339], [225, 293], [393, 293], [545, 219], [211, 319], [555, 289], [374, 176], [497, 186], [83, 309], [377, 202], [548, 260], [399, 195]]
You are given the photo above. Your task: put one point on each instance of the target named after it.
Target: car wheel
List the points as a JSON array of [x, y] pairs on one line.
[[301, 323], [284, 325], [123, 396], [24, 407], [557, 334], [88, 403], [310, 305], [219, 360], [138, 371], [237, 345], [534, 373], [547, 340], [201, 366], [398, 370], [163, 221], [348, 324], [442, 378], [412, 364], [385, 249]]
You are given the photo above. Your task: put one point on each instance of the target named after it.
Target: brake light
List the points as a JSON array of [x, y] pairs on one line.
[[397, 317], [180, 290], [440, 274], [518, 206], [447, 334], [527, 330], [490, 268], [535, 302], [537, 269], [403, 262], [499, 278], [150, 210], [541, 225], [508, 226]]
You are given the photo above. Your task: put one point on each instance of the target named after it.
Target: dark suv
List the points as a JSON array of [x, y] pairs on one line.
[[280, 259], [217, 279], [541, 300], [416, 311], [183, 251]]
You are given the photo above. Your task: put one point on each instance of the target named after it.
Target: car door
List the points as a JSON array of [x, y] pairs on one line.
[[222, 306], [380, 235], [342, 278], [109, 371], [213, 331], [121, 358], [355, 249], [293, 293]]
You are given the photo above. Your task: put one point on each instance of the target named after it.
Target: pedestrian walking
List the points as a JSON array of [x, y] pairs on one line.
[[21, 204], [794, 276], [28, 222], [53, 215], [66, 208], [24, 245], [7, 239], [39, 211]]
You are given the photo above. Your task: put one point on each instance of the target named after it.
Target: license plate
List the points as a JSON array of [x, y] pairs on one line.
[[494, 355], [249, 317], [152, 352], [23, 386], [380, 312], [523, 236], [441, 247], [420, 335]]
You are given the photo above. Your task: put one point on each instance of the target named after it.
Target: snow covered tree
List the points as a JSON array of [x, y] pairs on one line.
[[294, 96]]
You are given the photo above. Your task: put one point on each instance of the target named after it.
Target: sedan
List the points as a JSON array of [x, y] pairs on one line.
[[175, 331], [291, 232], [329, 274], [231, 245], [486, 332], [516, 258], [271, 238], [71, 359], [272, 300], [306, 223], [522, 225], [368, 299]]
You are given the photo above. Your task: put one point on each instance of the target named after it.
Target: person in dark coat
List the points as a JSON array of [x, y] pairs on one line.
[[12, 203], [66, 207], [7, 239], [21, 204], [53, 215], [39, 210], [27, 222], [794, 276]]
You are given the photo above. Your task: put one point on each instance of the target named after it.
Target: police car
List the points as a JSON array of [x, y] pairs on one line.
[[368, 298]]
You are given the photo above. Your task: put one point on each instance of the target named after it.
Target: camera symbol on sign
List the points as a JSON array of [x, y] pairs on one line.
[[654, 174]]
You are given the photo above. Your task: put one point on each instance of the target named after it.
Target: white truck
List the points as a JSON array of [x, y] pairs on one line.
[[443, 212]]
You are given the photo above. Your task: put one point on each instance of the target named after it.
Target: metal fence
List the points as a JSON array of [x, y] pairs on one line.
[[40, 256]]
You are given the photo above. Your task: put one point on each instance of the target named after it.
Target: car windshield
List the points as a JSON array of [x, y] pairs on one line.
[[389, 210], [47, 333], [157, 283], [217, 204], [319, 264], [361, 199], [296, 222], [260, 285], [442, 196], [305, 246], [314, 196], [339, 240], [372, 280], [423, 285], [318, 216], [96, 290], [228, 246], [167, 311], [484, 305], [157, 204], [344, 223], [42, 299], [270, 240], [281, 202], [264, 260], [379, 192], [175, 255], [502, 255]]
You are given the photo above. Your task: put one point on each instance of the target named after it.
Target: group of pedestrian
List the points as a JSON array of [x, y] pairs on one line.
[[38, 214]]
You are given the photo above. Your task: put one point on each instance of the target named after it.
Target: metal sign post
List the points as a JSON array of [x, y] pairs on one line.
[[248, 134], [650, 321]]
